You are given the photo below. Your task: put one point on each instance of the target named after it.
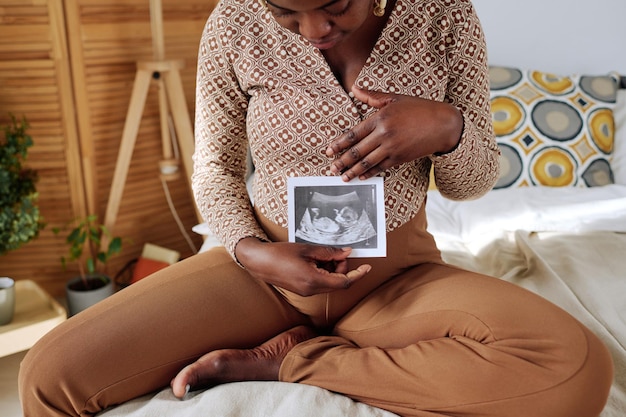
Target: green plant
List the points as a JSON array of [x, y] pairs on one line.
[[20, 220], [84, 240]]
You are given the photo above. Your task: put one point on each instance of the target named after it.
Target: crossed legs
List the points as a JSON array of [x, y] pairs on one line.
[[435, 341], [440, 341]]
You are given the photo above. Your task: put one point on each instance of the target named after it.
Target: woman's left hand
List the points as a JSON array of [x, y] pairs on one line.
[[404, 129]]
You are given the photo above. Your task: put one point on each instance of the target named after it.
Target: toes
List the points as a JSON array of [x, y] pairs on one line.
[[182, 382], [201, 374], [230, 365]]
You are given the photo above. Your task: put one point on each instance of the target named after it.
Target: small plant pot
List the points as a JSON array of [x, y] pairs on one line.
[[80, 297]]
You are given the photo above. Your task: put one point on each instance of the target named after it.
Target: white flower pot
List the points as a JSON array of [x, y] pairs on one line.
[[78, 298]]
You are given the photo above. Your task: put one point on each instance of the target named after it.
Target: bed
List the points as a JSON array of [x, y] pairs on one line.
[[554, 224]]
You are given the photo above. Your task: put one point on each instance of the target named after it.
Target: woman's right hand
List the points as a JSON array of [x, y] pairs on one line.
[[301, 268]]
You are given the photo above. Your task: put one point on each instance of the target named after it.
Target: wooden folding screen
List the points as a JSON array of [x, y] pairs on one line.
[[68, 66]]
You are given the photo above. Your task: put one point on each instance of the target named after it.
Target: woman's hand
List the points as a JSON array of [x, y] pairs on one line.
[[404, 129], [297, 267]]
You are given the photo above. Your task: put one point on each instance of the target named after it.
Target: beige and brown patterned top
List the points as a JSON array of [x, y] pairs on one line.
[[262, 86]]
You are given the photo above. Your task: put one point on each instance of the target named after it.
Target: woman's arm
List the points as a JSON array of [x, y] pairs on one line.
[[456, 134], [473, 167], [221, 148]]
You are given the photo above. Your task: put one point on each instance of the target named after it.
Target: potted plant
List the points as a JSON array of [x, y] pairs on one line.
[[20, 221], [93, 284]]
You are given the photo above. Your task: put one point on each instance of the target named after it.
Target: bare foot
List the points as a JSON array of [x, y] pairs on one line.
[[261, 363]]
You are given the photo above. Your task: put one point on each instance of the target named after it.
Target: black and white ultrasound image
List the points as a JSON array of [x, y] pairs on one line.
[[336, 215]]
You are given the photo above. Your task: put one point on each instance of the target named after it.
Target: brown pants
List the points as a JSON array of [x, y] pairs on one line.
[[416, 337]]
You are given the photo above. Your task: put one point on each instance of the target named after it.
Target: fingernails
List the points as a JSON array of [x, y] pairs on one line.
[[187, 388], [364, 269]]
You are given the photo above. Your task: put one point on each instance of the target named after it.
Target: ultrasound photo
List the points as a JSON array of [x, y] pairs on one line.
[[327, 211]]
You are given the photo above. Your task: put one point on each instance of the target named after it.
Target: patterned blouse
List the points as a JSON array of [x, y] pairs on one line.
[[264, 87]]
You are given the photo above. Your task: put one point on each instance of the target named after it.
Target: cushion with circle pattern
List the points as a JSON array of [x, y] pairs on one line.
[[553, 130]]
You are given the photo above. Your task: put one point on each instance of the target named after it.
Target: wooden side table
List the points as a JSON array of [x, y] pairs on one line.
[[36, 313]]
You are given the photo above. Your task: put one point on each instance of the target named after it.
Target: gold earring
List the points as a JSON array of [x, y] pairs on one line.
[[379, 7]]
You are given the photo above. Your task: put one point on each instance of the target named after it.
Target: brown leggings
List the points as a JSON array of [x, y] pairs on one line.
[[426, 340]]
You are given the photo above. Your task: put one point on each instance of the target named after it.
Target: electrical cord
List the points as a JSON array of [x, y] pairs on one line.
[[170, 203]]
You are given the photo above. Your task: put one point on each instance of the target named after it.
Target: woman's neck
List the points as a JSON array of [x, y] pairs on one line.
[[347, 59]]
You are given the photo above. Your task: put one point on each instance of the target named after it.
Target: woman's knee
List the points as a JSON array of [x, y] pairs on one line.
[[582, 392], [43, 383], [593, 382]]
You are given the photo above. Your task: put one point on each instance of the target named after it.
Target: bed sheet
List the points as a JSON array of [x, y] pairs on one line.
[[248, 399]]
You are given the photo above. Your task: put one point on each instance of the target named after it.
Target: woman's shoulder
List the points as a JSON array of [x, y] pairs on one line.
[[232, 20], [238, 11], [439, 14], [431, 9], [441, 3]]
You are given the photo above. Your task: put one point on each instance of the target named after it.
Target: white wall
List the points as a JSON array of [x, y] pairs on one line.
[[560, 36]]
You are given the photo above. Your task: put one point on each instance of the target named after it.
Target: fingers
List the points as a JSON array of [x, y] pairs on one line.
[[360, 161], [182, 381], [373, 164], [337, 281], [362, 152], [350, 138], [359, 149], [326, 253], [356, 274], [339, 277], [376, 99]]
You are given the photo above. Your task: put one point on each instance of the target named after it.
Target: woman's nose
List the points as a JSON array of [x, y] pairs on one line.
[[314, 26]]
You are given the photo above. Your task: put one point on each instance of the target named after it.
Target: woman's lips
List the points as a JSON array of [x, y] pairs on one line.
[[324, 43]]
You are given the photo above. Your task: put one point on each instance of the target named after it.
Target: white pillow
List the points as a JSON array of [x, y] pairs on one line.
[[534, 209]]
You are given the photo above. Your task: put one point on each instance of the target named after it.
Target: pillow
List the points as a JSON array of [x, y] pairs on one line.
[[553, 130], [619, 156], [533, 209], [145, 267]]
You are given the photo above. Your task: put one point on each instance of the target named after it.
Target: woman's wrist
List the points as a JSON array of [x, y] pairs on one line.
[[246, 247], [453, 131]]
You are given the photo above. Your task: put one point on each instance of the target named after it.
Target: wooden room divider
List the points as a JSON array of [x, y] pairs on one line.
[[68, 67]]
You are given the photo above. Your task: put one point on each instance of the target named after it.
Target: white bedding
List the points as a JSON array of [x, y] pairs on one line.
[[249, 399], [538, 209]]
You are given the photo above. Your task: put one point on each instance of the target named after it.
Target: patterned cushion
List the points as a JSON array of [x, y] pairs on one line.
[[553, 130]]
